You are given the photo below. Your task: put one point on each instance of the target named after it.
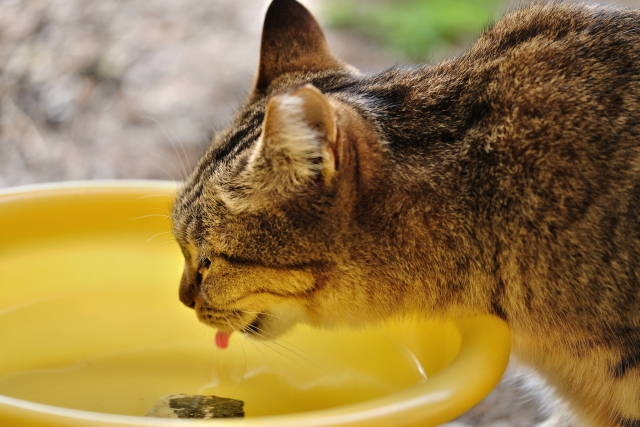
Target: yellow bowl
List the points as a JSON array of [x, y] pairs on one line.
[[92, 332]]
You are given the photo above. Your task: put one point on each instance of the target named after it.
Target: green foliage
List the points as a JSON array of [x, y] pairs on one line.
[[414, 27]]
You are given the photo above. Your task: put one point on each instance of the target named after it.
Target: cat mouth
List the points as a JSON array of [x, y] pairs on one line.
[[255, 328]]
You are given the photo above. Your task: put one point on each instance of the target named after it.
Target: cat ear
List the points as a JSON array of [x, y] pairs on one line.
[[292, 41], [299, 137], [298, 151]]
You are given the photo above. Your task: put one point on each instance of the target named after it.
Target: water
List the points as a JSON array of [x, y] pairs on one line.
[[118, 350]]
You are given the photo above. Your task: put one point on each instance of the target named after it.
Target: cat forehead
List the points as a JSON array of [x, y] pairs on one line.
[[198, 205], [231, 149], [244, 130]]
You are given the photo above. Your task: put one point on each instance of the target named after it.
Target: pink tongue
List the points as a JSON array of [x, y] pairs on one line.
[[222, 339]]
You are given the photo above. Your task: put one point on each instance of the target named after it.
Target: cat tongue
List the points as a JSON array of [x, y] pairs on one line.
[[222, 339]]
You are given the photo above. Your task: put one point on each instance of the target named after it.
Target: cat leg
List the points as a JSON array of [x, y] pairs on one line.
[[599, 383], [607, 392], [626, 393]]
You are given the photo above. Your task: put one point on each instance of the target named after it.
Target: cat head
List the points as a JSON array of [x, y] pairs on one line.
[[264, 220]]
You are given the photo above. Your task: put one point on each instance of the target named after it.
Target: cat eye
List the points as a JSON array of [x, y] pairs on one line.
[[206, 263], [237, 261]]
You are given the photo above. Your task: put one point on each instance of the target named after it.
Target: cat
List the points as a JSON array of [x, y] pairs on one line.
[[504, 181]]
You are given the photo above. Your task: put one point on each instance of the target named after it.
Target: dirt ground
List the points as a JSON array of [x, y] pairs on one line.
[[134, 89]]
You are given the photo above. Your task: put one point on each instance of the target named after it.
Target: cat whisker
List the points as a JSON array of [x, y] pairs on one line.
[[163, 216], [282, 354], [308, 354], [263, 313], [156, 235], [221, 318], [164, 243], [174, 177], [166, 211], [149, 196], [257, 348], [280, 339], [280, 378], [171, 141], [302, 357]]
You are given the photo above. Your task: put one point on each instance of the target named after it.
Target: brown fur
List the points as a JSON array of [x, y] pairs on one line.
[[504, 181]]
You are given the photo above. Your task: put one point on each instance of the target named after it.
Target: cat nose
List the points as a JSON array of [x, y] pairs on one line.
[[189, 289]]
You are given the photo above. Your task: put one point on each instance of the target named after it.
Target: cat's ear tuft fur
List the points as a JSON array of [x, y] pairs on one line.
[[297, 151], [292, 41], [300, 134]]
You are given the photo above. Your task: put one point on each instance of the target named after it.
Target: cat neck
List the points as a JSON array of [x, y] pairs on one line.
[[434, 240]]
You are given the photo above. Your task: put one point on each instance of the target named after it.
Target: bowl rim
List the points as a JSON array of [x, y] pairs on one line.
[[20, 191], [484, 339]]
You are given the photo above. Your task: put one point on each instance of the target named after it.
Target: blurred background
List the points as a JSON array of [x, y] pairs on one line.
[[134, 89]]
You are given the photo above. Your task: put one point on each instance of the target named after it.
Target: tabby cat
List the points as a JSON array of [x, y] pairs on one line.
[[504, 181]]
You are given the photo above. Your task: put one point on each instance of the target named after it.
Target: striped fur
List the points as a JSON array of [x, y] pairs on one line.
[[503, 181]]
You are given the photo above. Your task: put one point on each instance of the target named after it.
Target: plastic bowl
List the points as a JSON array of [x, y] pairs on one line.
[[92, 332]]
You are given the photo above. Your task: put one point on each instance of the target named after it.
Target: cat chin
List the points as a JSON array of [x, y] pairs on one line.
[[274, 323], [266, 327], [268, 333]]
